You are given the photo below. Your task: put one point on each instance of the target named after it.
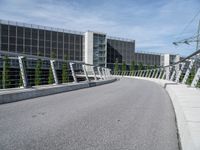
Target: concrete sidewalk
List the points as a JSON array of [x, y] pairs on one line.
[[18, 94], [186, 102]]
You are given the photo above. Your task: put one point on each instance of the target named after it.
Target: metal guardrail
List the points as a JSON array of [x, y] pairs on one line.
[[185, 71], [21, 70]]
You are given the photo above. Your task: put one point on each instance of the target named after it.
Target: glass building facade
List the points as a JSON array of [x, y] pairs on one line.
[[41, 41], [147, 59], [99, 49], [120, 50]]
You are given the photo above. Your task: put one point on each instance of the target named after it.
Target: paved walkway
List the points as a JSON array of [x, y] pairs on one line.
[[186, 101], [125, 115]]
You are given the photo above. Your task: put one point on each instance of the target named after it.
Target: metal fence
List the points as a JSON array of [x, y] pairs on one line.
[[20, 70], [185, 71]]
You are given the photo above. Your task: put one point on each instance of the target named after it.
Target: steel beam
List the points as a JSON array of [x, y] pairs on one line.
[[23, 71], [188, 71], [73, 73]]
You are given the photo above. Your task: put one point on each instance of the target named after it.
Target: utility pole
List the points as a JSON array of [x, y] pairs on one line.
[[197, 46]]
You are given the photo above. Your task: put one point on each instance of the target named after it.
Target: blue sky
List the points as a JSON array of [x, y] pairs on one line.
[[154, 24]]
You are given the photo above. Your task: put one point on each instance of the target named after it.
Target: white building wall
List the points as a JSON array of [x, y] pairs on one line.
[[166, 62], [89, 47]]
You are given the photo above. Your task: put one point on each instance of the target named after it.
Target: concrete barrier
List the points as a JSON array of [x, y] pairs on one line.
[[14, 95]]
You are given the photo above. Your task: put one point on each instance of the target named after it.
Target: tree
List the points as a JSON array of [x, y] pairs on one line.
[[155, 67], [6, 72], [116, 67], [38, 72], [132, 68], [123, 67], [140, 67], [148, 70], [65, 75], [50, 78], [191, 76]]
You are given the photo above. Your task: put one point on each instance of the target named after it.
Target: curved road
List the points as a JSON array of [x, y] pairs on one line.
[[129, 114]]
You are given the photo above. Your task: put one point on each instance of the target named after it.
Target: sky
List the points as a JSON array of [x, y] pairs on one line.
[[153, 24]]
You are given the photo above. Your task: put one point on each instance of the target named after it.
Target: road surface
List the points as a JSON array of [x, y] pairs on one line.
[[129, 114]]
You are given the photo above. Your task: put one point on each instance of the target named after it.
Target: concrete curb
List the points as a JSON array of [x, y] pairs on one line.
[[23, 94], [185, 137]]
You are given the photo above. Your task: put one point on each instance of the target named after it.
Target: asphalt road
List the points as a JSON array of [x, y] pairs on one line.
[[128, 114]]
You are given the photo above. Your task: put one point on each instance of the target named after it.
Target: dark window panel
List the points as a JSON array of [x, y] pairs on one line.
[[60, 45], [71, 38], [41, 34], [20, 49], [72, 57], [60, 54], [54, 36], [34, 34], [78, 39], [12, 31], [66, 52], [54, 52], [19, 41], [41, 43], [41, 51], [4, 47], [34, 50], [66, 37], [34, 43], [66, 46], [28, 50], [54, 44], [27, 42], [48, 35], [20, 31], [47, 52], [71, 47], [77, 47], [27, 32], [12, 48], [60, 37], [4, 39], [47, 44], [4, 30], [12, 40]]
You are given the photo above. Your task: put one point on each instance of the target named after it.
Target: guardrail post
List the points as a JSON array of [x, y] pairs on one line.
[[164, 74], [54, 71], [149, 75], [95, 78], [161, 71], [157, 71], [153, 74], [99, 71], [173, 75], [196, 78], [23, 71], [135, 72], [188, 71], [85, 72], [147, 72], [167, 73], [73, 73], [104, 74], [180, 72]]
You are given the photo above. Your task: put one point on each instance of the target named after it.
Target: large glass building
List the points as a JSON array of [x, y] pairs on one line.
[[41, 41], [89, 47], [121, 51], [148, 59]]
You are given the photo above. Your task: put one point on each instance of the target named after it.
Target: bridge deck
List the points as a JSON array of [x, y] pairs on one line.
[[128, 114]]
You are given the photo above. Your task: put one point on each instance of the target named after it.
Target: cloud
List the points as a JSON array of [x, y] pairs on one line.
[[154, 24]]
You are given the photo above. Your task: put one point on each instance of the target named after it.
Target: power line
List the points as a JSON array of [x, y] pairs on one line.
[[189, 23]]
